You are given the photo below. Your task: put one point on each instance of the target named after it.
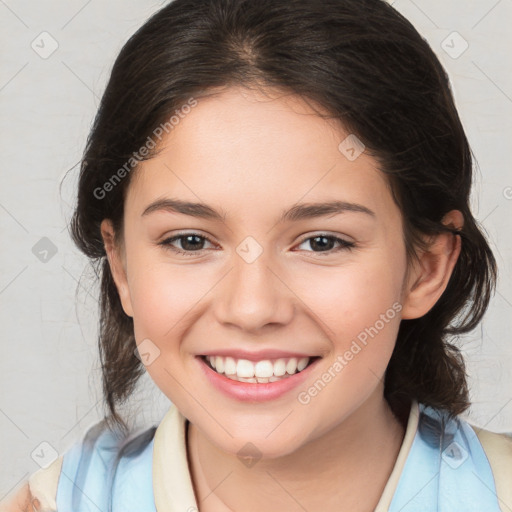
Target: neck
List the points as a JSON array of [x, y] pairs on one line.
[[344, 470]]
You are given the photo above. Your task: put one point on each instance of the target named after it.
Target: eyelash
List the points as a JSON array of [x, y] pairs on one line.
[[344, 245]]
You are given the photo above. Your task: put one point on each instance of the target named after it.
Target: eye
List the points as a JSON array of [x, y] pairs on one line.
[[191, 243], [325, 243]]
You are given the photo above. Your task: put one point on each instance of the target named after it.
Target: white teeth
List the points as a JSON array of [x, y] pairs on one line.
[[245, 368], [303, 362], [262, 371], [219, 364], [291, 366], [230, 366], [280, 367]]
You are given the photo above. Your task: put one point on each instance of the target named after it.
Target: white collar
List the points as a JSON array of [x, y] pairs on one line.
[[172, 482]]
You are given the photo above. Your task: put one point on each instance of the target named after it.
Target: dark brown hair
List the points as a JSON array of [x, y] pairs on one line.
[[364, 64]]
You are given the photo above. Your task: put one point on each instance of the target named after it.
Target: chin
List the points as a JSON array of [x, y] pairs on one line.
[[252, 449]]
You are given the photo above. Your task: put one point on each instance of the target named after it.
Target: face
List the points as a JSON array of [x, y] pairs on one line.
[[258, 289]]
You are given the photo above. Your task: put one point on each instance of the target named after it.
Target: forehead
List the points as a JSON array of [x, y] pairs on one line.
[[242, 147]]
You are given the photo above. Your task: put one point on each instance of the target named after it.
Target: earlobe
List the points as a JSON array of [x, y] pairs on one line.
[[431, 274], [117, 266]]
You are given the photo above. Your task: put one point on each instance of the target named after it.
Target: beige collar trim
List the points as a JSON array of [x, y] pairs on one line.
[[172, 483], [410, 433]]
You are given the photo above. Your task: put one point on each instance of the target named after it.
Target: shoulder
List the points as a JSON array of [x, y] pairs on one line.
[[482, 453], [438, 427], [495, 442], [20, 501], [37, 493], [105, 467], [498, 450], [448, 464], [87, 468]]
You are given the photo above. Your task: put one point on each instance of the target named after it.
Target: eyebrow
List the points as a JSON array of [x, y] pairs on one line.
[[295, 213]]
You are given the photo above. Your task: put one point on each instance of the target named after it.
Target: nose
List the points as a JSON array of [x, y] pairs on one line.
[[254, 295]]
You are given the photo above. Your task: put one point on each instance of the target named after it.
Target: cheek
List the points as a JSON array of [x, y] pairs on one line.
[[165, 300], [162, 296], [350, 299], [360, 311]]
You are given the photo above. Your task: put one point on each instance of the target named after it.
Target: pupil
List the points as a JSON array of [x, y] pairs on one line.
[[325, 242], [187, 244]]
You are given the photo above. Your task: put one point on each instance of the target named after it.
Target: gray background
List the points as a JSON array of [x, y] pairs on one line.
[[49, 378]]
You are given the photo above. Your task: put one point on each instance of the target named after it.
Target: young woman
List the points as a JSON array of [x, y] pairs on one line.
[[277, 196]]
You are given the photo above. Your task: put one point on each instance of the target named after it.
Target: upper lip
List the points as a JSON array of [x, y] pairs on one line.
[[256, 356]]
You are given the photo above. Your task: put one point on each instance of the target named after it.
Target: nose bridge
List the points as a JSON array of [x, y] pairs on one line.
[[253, 294]]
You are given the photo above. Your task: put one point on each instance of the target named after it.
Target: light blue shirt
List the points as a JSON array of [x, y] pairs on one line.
[[446, 470]]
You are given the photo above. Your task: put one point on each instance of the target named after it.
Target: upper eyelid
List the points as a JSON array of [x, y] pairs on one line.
[[326, 234]]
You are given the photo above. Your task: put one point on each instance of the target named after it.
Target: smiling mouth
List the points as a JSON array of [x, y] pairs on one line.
[[258, 372]]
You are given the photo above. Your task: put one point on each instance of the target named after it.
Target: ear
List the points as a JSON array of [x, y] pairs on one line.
[[117, 265], [429, 277]]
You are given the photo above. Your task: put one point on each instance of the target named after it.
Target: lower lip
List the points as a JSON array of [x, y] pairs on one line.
[[255, 392]]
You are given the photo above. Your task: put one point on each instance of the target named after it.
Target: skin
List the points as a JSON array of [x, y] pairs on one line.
[[20, 501], [241, 150], [253, 155]]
